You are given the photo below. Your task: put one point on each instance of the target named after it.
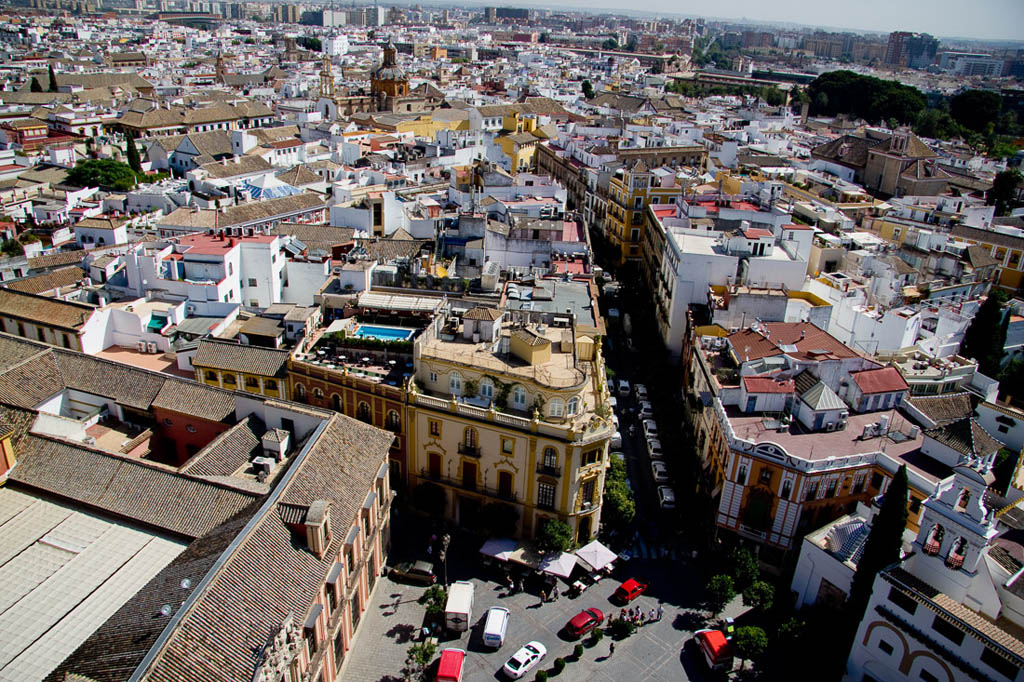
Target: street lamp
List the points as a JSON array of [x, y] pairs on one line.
[[442, 555]]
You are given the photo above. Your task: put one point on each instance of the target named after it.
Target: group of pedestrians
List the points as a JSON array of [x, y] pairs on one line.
[[637, 617]]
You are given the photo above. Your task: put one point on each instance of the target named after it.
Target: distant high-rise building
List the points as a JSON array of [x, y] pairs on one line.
[[492, 15], [287, 14], [914, 50], [512, 13]]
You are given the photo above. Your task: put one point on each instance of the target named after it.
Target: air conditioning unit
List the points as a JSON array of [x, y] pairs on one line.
[[190, 308], [152, 347], [142, 346], [831, 426], [262, 464]]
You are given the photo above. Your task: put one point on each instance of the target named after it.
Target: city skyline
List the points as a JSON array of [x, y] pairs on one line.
[[999, 19]]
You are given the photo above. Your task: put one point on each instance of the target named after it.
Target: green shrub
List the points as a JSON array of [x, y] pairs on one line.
[[542, 676], [577, 651], [559, 665]]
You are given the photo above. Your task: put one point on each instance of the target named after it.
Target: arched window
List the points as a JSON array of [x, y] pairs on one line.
[[787, 487], [300, 392], [573, 407], [934, 541], [487, 389], [957, 551], [741, 477], [270, 385], [363, 412], [229, 379], [252, 382], [318, 394], [211, 376], [519, 398], [336, 402], [469, 437], [394, 422], [965, 497], [455, 383], [556, 407]]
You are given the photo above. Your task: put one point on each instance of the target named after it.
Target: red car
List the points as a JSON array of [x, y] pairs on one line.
[[630, 590], [584, 621]]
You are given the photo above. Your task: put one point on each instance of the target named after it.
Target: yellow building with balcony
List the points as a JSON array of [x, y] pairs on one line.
[[630, 190], [508, 409], [236, 367]]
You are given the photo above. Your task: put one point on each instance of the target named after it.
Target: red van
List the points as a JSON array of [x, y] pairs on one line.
[[716, 649], [450, 667]]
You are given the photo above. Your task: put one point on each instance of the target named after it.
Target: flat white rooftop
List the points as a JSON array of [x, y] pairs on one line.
[[63, 573]]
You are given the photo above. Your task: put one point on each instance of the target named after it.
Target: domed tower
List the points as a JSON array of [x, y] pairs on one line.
[[389, 80]]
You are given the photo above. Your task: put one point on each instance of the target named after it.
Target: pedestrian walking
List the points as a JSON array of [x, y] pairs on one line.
[[543, 596], [622, 614], [661, 611], [650, 618], [611, 649], [520, 585], [554, 593]]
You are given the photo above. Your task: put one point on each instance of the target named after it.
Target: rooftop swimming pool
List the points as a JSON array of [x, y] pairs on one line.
[[367, 331]]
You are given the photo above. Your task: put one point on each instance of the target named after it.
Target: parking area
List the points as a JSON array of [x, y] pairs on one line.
[[655, 652]]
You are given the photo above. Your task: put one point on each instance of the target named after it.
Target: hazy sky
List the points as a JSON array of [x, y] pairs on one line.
[[986, 19]]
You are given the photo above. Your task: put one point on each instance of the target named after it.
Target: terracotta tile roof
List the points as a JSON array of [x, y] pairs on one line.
[[270, 576], [814, 344], [31, 382], [52, 260], [942, 409], [966, 436], [127, 488], [49, 312], [322, 237], [123, 383], [756, 384], [197, 400], [982, 236], [234, 357], [882, 380], [61, 277], [482, 313], [229, 451]]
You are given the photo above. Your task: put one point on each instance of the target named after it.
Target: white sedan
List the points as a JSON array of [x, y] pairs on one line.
[[646, 410], [650, 428], [660, 472], [524, 660], [654, 449]]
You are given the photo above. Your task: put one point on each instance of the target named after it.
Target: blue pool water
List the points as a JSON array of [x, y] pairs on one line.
[[367, 331]]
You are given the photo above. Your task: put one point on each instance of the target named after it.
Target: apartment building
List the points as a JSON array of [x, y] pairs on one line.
[[794, 428], [510, 407], [1005, 244], [631, 190], [187, 505], [238, 367], [703, 251]]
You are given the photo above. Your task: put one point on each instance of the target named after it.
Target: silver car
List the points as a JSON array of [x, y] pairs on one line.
[[666, 497], [650, 428], [660, 472]]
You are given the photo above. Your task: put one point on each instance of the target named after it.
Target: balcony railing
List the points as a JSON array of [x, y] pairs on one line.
[[931, 548], [471, 486], [546, 470], [954, 561], [469, 450]]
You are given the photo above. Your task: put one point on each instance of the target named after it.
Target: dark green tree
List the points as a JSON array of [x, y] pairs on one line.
[[882, 546], [976, 109], [750, 642], [12, 247], [744, 566], [610, 44], [1003, 194], [134, 161], [721, 590], [759, 594], [553, 536], [986, 335], [53, 79], [105, 173], [35, 86], [588, 89]]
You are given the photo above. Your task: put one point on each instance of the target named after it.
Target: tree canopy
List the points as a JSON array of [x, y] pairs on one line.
[[751, 642], [1004, 190], [134, 162], [986, 335], [721, 590], [976, 109], [870, 98], [554, 536], [883, 544], [105, 173]]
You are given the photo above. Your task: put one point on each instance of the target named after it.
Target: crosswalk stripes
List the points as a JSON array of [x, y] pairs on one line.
[[641, 550]]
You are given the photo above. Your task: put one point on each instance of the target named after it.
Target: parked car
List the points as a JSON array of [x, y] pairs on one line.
[[523, 660], [646, 410], [629, 590], [623, 388], [666, 497], [419, 572], [613, 403], [660, 472], [650, 428], [584, 621], [495, 626], [616, 441], [654, 448], [641, 392]]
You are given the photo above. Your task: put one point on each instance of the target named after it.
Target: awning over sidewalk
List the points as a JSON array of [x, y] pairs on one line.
[[595, 556], [499, 548], [558, 563]]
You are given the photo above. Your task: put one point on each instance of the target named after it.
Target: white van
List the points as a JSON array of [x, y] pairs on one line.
[[458, 612], [495, 626]]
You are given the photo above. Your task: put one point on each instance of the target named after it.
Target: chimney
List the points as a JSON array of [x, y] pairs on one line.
[[318, 527]]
